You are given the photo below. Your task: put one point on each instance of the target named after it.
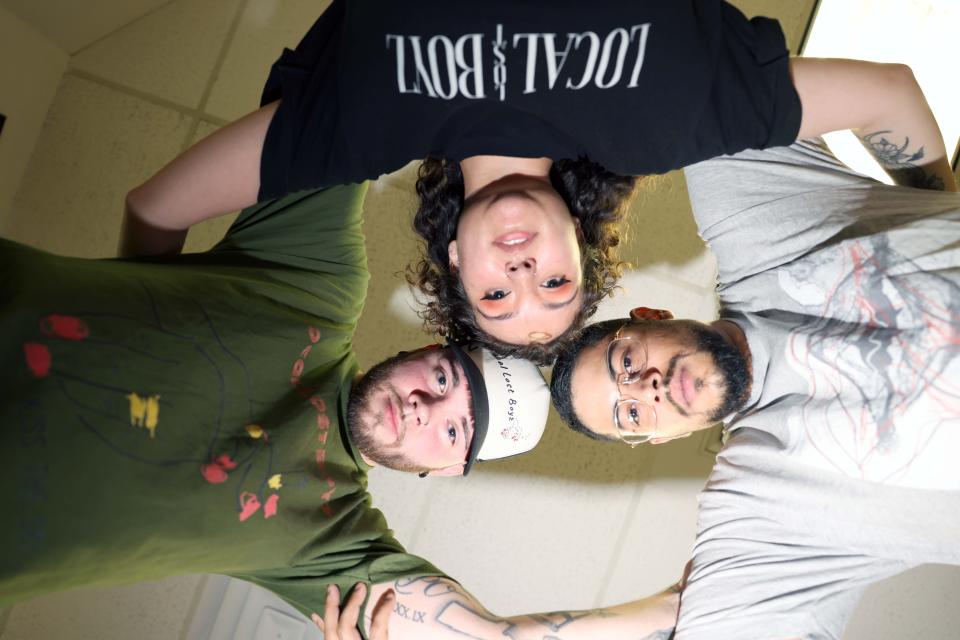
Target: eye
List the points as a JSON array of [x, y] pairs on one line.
[[553, 283], [497, 294], [633, 414], [627, 363], [452, 434], [441, 381]]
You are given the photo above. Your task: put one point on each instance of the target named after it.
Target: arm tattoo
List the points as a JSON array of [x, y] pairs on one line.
[[459, 615], [430, 587], [407, 613], [901, 164], [557, 620]]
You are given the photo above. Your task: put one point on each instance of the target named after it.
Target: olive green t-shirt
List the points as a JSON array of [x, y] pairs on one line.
[[187, 414]]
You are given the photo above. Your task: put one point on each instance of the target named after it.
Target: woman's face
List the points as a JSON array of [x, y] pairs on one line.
[[518, 258]]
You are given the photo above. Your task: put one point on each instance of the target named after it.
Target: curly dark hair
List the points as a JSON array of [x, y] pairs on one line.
[[595, 196]]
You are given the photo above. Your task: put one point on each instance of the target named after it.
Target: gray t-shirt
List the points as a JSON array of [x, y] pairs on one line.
[[839, 472]]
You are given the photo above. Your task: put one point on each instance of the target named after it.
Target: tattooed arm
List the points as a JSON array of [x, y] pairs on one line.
[[440, 609], [885, 108]]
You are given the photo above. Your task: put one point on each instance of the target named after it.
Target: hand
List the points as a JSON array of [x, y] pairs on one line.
[[337, 625]]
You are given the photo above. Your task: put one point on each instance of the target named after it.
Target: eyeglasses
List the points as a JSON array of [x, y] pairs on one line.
[[635, 420]]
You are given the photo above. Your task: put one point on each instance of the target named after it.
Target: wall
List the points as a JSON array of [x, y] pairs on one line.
[[30, 71], [73, 25]]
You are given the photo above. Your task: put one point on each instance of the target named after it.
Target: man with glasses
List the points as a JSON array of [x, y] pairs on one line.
[[835, 368], [671, 379]]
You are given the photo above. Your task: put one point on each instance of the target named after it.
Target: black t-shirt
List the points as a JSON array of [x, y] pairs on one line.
[[640, 87]]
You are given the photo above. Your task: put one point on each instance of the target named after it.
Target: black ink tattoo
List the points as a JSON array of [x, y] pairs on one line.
[[407, 613], [474, 623], [900, 163], [469, 623], [557, 620], [430, 587]]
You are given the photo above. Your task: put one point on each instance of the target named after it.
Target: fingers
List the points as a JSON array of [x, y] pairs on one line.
[[341, 624], [351, 612], [381, 615], [331, 613]]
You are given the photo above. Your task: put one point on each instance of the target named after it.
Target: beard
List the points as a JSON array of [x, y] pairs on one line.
[[362, 419], [731, 366]]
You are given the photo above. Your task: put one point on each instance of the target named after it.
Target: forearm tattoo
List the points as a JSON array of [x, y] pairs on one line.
[[466, 621], [900, 163]]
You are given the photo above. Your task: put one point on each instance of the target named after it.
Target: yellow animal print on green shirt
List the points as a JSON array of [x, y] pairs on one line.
[[144, 412]]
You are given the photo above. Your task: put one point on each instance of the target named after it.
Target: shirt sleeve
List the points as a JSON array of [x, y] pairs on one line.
[[758, 209], [305, 145], [311, 242], [304, 586], [311, 230], [753, 103]]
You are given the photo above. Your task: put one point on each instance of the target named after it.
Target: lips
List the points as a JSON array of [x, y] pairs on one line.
[[683, 388], [514, 240]]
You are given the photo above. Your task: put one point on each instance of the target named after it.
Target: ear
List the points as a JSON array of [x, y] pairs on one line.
[[579, 230], [452, 470], [646, 313], [452, 255], [669, 438]]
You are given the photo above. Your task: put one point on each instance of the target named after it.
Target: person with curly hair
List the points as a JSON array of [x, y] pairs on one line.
[[594, 197], [512, 106]]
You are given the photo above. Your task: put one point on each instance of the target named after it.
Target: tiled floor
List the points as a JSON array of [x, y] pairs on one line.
[[608, 524]]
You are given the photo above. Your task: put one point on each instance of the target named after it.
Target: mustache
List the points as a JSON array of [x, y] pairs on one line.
[[667, 378], [718, 380], [400, 416]]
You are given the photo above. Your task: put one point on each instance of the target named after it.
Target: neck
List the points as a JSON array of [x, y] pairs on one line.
[[479, 171], [734, 334]]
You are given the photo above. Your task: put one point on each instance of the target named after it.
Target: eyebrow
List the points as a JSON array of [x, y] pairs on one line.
[[613, 378], [452, 363], [453, 370], [610, 371], [464, 422], [548, 305], [467, 432]]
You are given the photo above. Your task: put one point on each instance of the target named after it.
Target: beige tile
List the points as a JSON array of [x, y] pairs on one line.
[[525, 543], [146, 611], [659, 290], [35, 71], [266, 27], [403, 498], [206, 234], [169, 53], [658, 538], [793, 16], [73, 25], [535, 533], [662, 234], [96, 145], [386, 325]]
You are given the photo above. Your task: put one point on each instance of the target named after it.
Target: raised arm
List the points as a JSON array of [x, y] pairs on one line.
[[439, 609], [219, 174], [885, 108]]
